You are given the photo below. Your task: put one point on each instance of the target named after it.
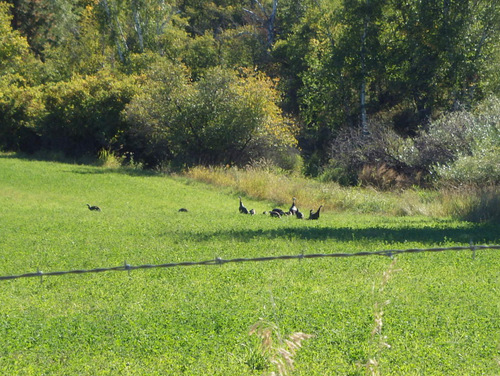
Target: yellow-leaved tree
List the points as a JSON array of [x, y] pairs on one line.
[[225, 117]]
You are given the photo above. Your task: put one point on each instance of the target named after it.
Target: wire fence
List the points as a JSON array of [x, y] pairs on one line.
[[219, 261]]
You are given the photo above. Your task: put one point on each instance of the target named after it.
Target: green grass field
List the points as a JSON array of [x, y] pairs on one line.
[[419, 314]]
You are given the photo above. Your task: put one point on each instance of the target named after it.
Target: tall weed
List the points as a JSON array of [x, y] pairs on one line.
[[279, 188], [278, 351], [474, 204]]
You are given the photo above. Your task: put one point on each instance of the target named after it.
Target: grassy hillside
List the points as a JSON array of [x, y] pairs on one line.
[[419, 314]]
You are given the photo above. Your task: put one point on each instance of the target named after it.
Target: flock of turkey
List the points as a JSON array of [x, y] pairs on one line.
[[278, 213]]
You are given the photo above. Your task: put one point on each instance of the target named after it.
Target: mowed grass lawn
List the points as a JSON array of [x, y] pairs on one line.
[[419, 314]]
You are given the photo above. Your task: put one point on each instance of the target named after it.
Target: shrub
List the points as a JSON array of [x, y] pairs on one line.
[[381, 159], [224, 118], [476, 160], [458, 148], [21, 109], [446, 139], [83, 115]]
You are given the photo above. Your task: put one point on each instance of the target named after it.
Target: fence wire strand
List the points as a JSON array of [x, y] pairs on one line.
[[220, 261]]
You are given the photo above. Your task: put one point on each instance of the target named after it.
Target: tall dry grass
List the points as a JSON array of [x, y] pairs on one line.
[[378, 341], [278, 351], [474, 204], [279, 188]]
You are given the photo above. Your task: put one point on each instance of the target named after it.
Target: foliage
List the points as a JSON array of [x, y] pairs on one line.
[[460, 148], [330, 65], [150, 113], [21, 109], [80, 51], [12, 45], [403, 66], [223, 118], [16, 60], [382, 159], [476, 161], [83, 115]]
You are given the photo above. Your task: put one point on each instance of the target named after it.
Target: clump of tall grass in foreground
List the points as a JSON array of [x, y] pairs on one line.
[[278, 351], [378, 341], [474, 204]]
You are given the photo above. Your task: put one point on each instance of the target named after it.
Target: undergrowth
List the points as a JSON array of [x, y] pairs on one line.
[[474, 204]]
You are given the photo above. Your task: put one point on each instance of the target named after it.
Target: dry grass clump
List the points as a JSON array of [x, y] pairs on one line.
[[472, 203], [385, 177], [475, 204], [278, 351], [378, 340], [265, 184]]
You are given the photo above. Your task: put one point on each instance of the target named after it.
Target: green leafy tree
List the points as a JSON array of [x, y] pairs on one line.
[[137, 26], [83, 115], [20, 105], [46, 23], [21, 111], [15, 54], [437, 51], [223, 118]]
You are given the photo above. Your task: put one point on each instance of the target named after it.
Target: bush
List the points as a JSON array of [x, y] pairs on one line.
[[476, 160], [21, 109], [446, 139], [224, 118], [83, 115], [460, 148], [382, 159]]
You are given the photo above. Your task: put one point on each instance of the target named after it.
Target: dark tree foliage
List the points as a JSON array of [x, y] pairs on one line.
[[337, 64]]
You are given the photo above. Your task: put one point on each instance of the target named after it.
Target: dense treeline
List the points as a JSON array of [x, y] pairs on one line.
[[380, 92]]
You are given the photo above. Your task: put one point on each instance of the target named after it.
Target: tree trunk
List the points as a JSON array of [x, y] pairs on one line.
[[113, 32], [364, 120], [137, 26]]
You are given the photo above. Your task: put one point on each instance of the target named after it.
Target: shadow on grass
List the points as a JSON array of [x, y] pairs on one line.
[[478, 234], [129, 171], [86, 165]]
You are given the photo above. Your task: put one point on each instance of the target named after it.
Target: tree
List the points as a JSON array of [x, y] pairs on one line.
[[46, 23], [137, 26], [223, 118], [84, 114], [14, 48], [438, 50]]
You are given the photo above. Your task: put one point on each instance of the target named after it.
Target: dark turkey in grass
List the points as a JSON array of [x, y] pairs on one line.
[[93, 207]]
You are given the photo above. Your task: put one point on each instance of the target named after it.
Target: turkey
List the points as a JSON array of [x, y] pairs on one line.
[[279, 211], [293, 209], [275, 214], [299, 214], [252, 211], [242, 208], [183, 210], [315, 215], [94, 208]]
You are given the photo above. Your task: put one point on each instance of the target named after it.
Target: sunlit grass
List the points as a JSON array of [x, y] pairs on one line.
[[442, 317]]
